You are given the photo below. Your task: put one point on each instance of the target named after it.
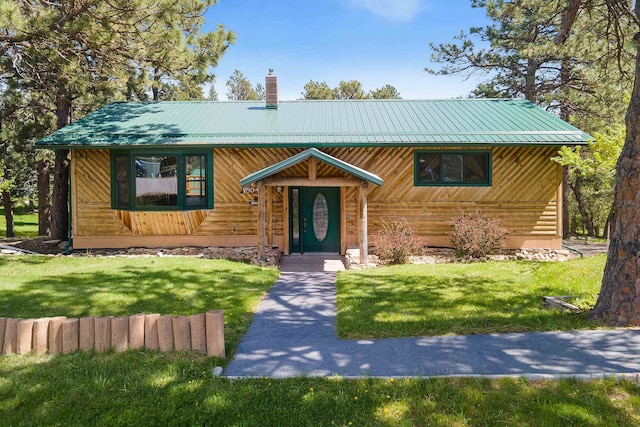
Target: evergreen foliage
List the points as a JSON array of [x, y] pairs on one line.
[[347, 90], [240, 88], [70, 58]]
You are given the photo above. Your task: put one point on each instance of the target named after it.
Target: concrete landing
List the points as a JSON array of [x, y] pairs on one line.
[[312, 263]]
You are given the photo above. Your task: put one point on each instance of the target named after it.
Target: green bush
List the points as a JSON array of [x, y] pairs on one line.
[[396, 242], [477, 236]]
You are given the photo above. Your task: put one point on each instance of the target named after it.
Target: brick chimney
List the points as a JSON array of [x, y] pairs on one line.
[[271, 87]]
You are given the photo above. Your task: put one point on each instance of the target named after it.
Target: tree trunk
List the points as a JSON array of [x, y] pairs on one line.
[[608, 226], [619, 300], [60, 200], [587, 218], [155, 88], [8, 213], [530, 86], [44, 197]]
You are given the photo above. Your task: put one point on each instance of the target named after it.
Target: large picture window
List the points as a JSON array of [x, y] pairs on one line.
[[452, 168], [161, 180]]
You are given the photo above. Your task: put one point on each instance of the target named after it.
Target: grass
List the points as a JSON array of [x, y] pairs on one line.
[[25, 223], [150, 388], [153, 388], [37, 286], [492, 297]]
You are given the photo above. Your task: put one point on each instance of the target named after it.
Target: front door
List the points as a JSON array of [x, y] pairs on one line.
[[314, 219]]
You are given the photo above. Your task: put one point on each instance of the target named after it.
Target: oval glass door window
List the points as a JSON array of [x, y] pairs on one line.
[[320, 217]]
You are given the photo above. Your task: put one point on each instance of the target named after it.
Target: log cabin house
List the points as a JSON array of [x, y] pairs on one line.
[[311, 176]]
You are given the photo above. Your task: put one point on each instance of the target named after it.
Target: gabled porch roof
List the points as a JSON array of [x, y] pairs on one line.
[[304, 155]]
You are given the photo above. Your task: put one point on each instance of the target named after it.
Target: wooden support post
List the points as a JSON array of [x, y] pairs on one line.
[[262, 220], [269, 221], [25, 336], [70, 335], [313, 168], [103, 333], [3, 326], [198, 332], [10, 337], [41, 335], [285, 219], [120, 334], [136, 331], [343, 221], [181, 333], [55, 334], [151, 331], [165, 332], [215, 333], [362, 214], [87, 333]]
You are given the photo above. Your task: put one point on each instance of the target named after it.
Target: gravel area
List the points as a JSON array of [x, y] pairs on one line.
[[45, 246]]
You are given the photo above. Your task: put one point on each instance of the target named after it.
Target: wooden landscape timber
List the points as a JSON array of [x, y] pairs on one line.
[[525, 193], [200, 332]]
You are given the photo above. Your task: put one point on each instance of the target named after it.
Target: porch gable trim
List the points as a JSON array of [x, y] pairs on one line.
[[304, 155]]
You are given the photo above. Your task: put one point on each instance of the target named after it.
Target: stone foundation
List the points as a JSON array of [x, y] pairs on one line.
[[448, 255]]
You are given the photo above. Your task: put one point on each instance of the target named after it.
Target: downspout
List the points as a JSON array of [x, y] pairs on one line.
[[573, 249], [67, 247]]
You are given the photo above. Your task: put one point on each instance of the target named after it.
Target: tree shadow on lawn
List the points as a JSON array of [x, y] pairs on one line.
[[388, 306], [138, 289], [149, 388]]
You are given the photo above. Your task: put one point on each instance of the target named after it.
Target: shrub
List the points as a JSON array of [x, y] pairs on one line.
[[396, 242], [477, 236]]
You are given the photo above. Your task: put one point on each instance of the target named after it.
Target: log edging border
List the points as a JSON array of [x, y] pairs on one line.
[[55, 335]]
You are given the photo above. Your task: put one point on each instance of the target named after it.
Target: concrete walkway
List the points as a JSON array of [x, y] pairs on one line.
[[293, 334]]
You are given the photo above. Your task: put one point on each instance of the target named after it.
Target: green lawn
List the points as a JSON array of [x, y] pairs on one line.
[[38, 286], [153, 388], [26, 224], [416, 300], [138, 388]]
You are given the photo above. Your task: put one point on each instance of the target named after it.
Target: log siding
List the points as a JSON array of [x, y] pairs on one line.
[[524, 195]]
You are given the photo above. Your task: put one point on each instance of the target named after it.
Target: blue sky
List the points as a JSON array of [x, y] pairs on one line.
[[377, 42]]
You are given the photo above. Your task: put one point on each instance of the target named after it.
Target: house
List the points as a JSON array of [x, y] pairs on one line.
[[311, 176]]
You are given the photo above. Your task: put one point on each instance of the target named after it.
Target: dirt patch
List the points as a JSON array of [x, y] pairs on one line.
[[37, 245], [588, 249]]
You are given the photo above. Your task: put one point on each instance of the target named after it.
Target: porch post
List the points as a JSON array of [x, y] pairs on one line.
[[269, 223], [364, 243], [262, 220], [343, 220]]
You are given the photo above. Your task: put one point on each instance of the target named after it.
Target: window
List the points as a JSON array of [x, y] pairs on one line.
[[451, 168], [161, 181]]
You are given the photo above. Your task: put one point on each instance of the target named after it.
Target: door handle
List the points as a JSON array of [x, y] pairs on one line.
[[304, 225]]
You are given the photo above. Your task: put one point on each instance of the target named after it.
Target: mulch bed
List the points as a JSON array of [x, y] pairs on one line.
[[34, 245], [38, 245]]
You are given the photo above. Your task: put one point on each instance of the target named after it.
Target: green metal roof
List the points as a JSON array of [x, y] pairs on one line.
[[304, 155], [318, 124]]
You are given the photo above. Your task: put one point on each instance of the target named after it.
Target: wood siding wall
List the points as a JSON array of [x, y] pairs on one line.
[[524, 194]]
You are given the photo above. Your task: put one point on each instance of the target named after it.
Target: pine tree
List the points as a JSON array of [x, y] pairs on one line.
[[81, 54]]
